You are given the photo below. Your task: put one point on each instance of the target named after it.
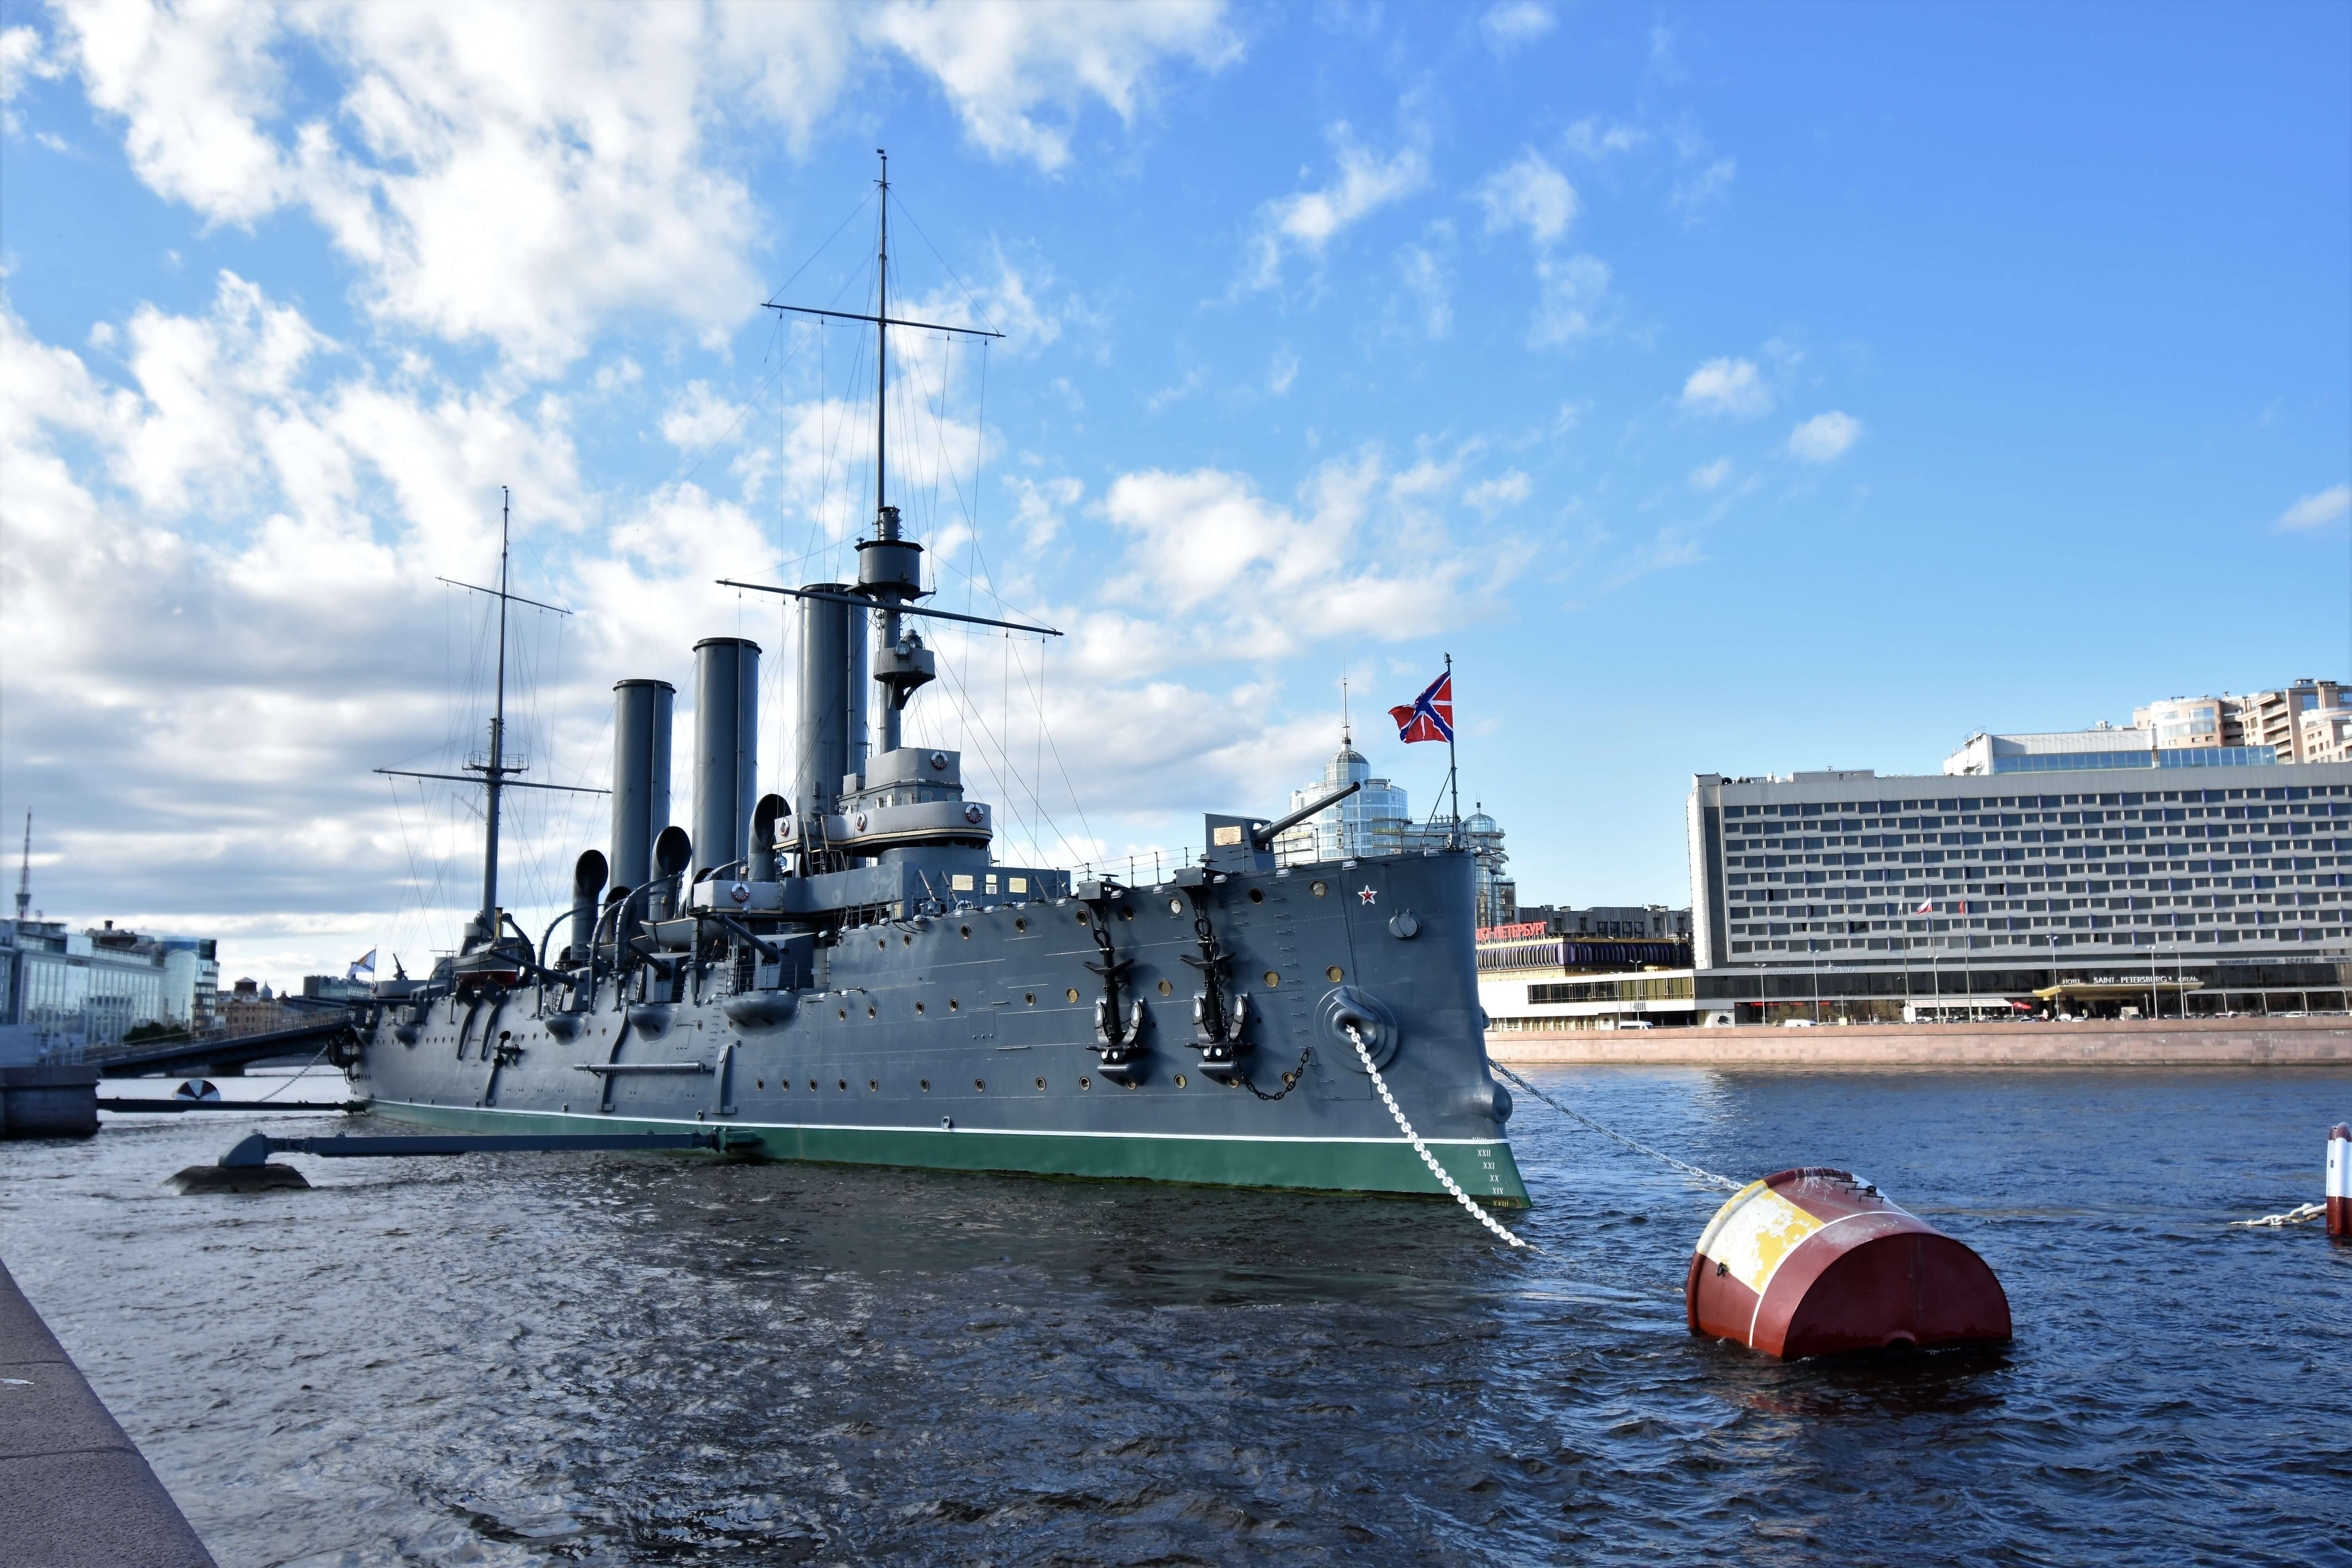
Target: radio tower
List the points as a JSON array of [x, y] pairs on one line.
[[24, 871]]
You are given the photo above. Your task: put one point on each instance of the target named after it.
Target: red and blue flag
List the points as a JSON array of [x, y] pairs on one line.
[[1431, 717]]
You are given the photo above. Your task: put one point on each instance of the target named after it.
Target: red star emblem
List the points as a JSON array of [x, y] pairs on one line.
[[1368, 896]]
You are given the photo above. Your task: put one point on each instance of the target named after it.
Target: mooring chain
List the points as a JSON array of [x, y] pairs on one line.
[[1682, 1165], [2292, 1216], [1356, 1038]]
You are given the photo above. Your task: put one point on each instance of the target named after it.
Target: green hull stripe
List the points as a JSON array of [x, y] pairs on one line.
[[1484, 1171]]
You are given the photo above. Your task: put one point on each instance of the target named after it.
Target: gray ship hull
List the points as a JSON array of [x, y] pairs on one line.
[[966, 1040]]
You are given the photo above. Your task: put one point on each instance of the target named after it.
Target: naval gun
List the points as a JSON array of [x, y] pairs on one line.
[[1246, 843]]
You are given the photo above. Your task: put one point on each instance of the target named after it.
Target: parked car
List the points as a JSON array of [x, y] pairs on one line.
[[1796, 1023]]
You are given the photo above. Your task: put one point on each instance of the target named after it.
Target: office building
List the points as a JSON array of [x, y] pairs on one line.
[[66, 991], [2102, 746], [2220, 886]]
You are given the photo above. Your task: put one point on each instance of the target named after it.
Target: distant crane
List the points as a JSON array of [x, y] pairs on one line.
[[24, 871]]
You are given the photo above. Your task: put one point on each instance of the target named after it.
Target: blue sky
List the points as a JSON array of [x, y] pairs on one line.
[[1728, 389]]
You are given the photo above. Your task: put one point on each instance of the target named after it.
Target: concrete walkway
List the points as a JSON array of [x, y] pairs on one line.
[[2231, 1042], [74, 1491]]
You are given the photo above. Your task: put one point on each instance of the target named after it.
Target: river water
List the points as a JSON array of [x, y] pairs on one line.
[[537, 1359]]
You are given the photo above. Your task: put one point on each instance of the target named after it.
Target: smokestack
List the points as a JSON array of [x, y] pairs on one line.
[[820, 736], [641, 713], [726, 747]]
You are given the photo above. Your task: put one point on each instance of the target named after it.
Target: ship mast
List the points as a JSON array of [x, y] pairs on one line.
[[496, 775], [494, 772]]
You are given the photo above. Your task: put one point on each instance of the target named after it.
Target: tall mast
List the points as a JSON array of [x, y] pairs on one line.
[[494, 775], [24, 871], [882, 334]]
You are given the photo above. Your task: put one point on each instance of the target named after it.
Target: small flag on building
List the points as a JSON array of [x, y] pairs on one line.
[[1431, 717], [1925, 909], [365, 963]]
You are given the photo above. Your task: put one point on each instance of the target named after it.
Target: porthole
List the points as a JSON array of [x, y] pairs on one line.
[[872, 1086], [1333, 974], [1124, 912], [1082, 916], [1029, 998], [811, 1083], [953, 1006], [1317, 889], [1272, 979], [1257, 895], [843, 1083], [1179, 1080], [906, 938], [1041, 1083], [1166, 989], [1085, 1083], [870, 1009], [967, 933], [843, 1012], [759, 1083], [927, 1085], [980, 1084], [1128, 1082], [881, 941], [1072, 993], [1175, 906], [918, 1008], [1019, 923]]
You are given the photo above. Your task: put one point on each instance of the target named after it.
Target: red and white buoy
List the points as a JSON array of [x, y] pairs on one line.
[[2339, 1180], [1811, 1261]]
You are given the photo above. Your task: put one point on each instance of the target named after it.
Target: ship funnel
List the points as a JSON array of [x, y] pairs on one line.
[[587, 881], [821, 735], [771, 810], [726, 747], [641, 714]]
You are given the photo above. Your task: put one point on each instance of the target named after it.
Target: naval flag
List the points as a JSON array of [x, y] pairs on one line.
[[1431, 717], [365, 962]]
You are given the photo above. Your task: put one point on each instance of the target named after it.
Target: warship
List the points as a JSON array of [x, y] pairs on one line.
[[847, 973]]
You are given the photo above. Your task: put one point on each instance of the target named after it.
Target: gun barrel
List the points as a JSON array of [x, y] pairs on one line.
[[1265, 836]]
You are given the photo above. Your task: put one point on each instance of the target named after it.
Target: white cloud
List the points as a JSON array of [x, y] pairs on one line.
[[1726, 386], [1305, 223], [1531, 194], [1000, 64], [1513, 24], [1698, 195], [1282, 372], [1572, 291], [1225, 572], [1426, 278], [697, 417], [1711, 476], [1824, 437], [2318, 509], [1596, 137], [24, 57], [1038, 506], [1505, 490], [478, 153]]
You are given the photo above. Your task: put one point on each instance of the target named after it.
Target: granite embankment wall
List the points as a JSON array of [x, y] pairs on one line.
[[74, 1491], [2269, 1042]]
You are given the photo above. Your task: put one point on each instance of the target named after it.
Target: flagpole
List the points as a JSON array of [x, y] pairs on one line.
[[1453, 775]]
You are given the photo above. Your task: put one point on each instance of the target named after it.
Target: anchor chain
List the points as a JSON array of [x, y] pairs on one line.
[[1290, 1080], [2292, 1216], [1356, 1038], [1682, 1165]]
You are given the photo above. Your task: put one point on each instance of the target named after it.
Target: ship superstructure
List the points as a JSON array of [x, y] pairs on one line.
[[847, 973]]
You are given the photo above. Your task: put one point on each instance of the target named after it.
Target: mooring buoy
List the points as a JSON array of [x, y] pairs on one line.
[[2339, 1181], [1814, 1261]]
